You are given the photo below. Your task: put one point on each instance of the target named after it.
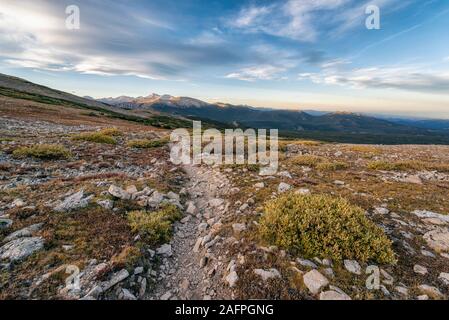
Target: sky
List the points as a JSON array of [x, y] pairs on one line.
[[292, 54]]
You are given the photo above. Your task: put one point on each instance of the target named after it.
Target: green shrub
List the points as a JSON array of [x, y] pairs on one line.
[[97, 137], [307, 160], [324, 226], [396, 166], [331, 166], [43, 151], [154, 227], [111, 132], [146, 144], [407, 165]]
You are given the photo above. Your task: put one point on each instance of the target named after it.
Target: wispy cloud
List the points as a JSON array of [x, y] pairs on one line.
[[117, 41], [266, 72], [411, 78]]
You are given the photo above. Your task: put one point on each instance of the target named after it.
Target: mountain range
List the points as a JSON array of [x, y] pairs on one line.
[[339, 126]]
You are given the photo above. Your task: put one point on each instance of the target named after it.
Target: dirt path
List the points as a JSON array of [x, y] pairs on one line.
[[193, 271]]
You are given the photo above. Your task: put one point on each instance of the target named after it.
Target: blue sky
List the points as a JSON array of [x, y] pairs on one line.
[[297, 54]]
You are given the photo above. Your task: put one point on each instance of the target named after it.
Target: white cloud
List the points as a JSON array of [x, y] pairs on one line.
[[292, 19], [265, 72], [410, 78]]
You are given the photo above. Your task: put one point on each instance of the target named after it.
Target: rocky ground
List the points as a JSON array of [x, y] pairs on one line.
[[61, 216]]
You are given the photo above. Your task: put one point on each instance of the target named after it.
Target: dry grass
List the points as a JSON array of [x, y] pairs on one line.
[[43, 151], [364, 149], [331, 166]]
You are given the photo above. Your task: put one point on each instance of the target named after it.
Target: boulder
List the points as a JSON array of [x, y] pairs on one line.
[[19, 249], [315, 281], [438, 239], [165, 250], [420, 269], [73, 202], [25, 232], [353, 266], [267, 274], [232, 278], [444, 277], [119, 193], [334, 295], [284, 187]]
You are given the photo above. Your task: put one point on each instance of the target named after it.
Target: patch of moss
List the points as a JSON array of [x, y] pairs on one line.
[[324, 226], [43, 151]]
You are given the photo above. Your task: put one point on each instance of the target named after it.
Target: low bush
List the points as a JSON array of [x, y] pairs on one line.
[[146, 144], [43, 151], [96, 137], [324, 226], [154, 227], [111, 132], [396, 166], [307, 160]]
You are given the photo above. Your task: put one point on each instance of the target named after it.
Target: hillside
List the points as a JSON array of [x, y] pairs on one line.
[[93, 192]]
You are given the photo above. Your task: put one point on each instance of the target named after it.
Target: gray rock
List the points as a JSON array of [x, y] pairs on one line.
[[119, 192], [430, 291], [155, 199], [284, 187], [165, 250], [191, 208], [315, 281], [216, 202], [107, 204], [381, 210], [402, 290], [429, 214], [334, 295], [438, 239], [232, 278], [267, 274], [19, 249], [259, 185], [306, 263], [127, 295], [73, 202], [353, 266], [25, 232], [116, 278], [339, 183], [444, 277], [420, 269]]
